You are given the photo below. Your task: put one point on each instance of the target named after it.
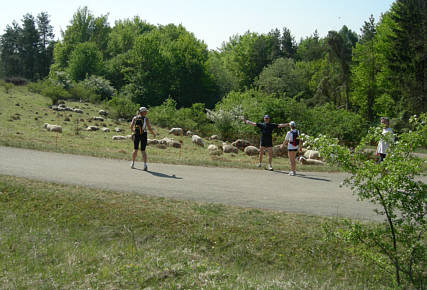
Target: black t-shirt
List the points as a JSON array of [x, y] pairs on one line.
[[267, 129]]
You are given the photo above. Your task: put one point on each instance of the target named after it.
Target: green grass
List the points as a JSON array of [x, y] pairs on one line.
[[26, 131], [62, 237]]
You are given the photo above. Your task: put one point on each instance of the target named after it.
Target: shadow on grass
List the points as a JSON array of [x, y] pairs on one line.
[[159, 174], [304, 176]]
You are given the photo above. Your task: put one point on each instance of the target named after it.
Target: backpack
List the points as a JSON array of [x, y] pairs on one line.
[[295, 139], [140, 125]]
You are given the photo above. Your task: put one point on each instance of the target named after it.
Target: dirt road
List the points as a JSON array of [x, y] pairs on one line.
[[308, 193]]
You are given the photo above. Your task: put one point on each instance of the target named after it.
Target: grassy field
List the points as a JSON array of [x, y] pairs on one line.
[[22, 115], [68, 237]]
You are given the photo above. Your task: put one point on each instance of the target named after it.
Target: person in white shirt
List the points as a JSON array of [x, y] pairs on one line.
[[293, 142], [382, 145]]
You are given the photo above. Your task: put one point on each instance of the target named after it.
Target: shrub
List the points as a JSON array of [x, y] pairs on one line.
[[100, 86], [121, 106], [55, 93], [79, 92], [17, 81]]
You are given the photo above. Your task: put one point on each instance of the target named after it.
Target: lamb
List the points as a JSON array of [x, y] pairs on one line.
[[53, 128]]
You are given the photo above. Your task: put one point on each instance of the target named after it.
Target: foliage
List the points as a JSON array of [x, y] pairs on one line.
[[121, 106], [226, 122], [26, 50], [85, 60], [55, 93], [100, 86], [393, 186]]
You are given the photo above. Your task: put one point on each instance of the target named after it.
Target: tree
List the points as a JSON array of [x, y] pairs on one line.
[[311, 48], [393, 186], [364, 72], [288, 44], [10, 48], [85, 60], [340, 45], [407, 57], [46, 43]]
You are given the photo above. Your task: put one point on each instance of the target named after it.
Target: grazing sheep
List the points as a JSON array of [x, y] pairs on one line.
[[117, 129], [152, 141], [102, 113], [119, 138], [78, 111], [214, 150], [214, 137], [92, 128], [241, 144], [98, 119], [306, 161], [176, 131], [227, 148], [189, 133], [52, 128], [311, 154], [197, 140], [105, 130], [251, 150]]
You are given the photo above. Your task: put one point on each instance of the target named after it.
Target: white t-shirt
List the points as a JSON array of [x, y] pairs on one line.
[[382, 145], [289, 138]]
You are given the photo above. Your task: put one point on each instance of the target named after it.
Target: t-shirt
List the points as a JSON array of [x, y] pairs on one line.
[[382, 145], [267, 129], [289, 138]]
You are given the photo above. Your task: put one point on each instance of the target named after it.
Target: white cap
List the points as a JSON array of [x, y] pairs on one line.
[[143, 109], [292, 124]]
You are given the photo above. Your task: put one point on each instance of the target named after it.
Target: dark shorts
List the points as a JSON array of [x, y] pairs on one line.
[[292, 149], [381, 158], [137, 138], [266, 142]]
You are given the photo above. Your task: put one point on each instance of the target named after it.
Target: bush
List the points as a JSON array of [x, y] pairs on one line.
[[121, 106], [79, 92], [100, 86], [55, 93]]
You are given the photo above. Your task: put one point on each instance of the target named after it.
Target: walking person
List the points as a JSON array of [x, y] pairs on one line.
[[266, 141], [139, 126], [293, 142], [382, 145]]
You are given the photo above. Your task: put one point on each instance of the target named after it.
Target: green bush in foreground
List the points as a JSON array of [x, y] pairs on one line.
[[393, 186]]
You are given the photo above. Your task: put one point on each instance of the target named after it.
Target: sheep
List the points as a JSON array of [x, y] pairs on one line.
[[197, 140], [176, 131], [52, 128], [241, 144], [251, 150], [311, 154], [227, 148]]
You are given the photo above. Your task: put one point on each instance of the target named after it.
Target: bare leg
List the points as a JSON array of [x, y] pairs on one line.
[[270, 154], [261, 152], [144, 156], [134, 154], [292, 155]]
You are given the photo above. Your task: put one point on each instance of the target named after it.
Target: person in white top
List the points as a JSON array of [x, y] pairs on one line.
[[382, 145], [293, 142]]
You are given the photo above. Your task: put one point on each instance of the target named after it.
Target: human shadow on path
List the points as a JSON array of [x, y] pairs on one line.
[[159, 174], [304, 176]]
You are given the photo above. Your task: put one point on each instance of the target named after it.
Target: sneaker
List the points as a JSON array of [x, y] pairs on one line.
[[145, 167], [269, 167], [258, 165], [132, 165], [291, 173]]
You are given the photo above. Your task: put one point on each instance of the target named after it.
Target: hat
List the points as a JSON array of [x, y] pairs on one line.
[[292, 124], [143, 109], [266, 117]]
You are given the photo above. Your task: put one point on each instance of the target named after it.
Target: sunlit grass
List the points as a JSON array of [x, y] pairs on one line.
[[60, 236], [22, 115]]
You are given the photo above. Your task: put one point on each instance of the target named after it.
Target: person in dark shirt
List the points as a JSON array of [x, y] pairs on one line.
[[266, 142]]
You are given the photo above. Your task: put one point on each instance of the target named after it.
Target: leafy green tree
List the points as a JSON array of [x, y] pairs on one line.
[[85, 60], [46, 44], [280, 78], [407, 55], [10, 47], [364, 72], [340, 45], [311, 48], [288, 44], [29, 42], [398, 245]]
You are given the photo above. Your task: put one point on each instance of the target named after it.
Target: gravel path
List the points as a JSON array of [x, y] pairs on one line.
[[307, 193]]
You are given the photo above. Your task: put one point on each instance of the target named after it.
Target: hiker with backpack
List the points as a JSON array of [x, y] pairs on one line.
[[266, 142], [293, 142], [139, 126]]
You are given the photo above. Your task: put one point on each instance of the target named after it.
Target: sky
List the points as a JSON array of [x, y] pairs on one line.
[[211, 21]]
